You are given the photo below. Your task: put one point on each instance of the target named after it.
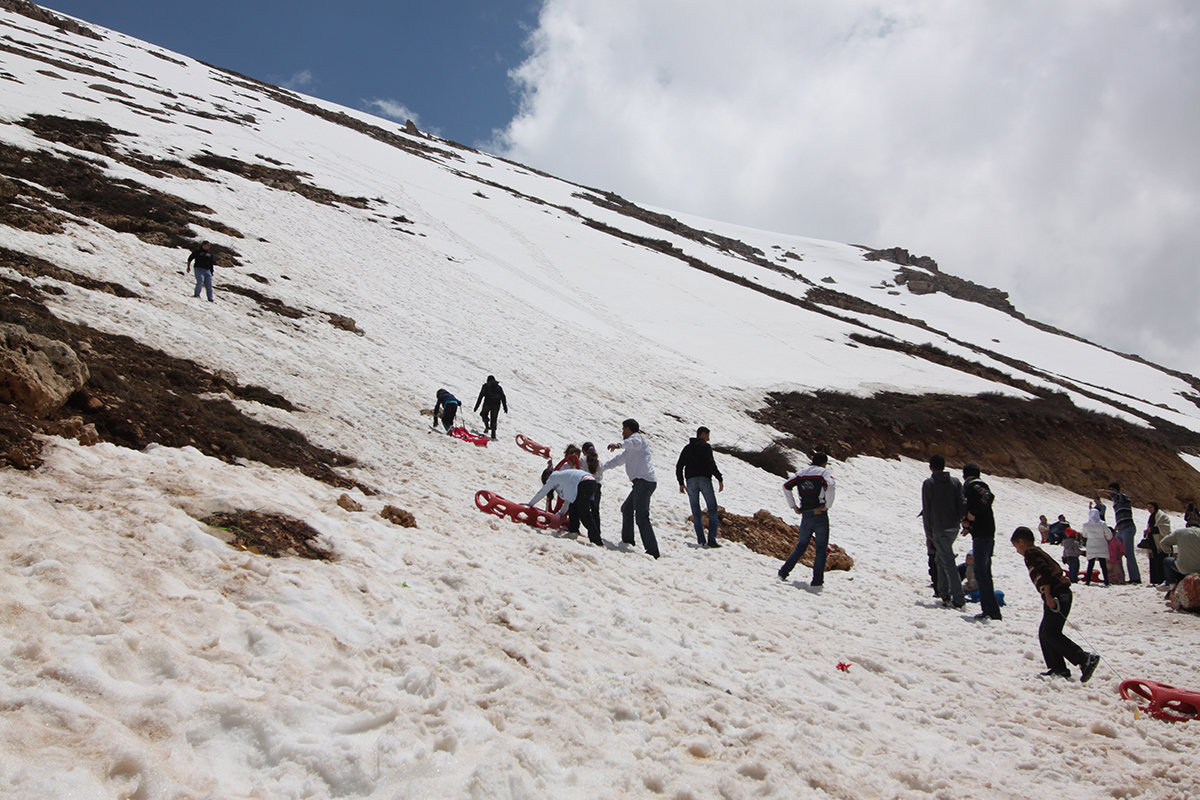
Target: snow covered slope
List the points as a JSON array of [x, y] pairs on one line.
[[144, 657]]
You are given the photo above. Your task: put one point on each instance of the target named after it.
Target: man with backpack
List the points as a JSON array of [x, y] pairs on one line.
[[815, 487], [492, 397], [980, 522]]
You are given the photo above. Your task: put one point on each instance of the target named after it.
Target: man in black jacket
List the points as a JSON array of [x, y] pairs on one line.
[[695, 470], [981, 523], [203, 258], [492, 397]]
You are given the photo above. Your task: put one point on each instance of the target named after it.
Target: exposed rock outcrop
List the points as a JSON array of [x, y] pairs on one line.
[[37, 374]]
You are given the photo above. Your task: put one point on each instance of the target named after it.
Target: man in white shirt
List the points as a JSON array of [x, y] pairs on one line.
[[635, 455]]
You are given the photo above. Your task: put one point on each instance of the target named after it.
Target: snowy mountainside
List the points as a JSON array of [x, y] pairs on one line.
[[361, 266]]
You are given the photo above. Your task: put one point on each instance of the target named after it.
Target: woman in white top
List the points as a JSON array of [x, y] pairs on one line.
[[1096, 535]]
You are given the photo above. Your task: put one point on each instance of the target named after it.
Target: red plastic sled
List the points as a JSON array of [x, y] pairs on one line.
[[467, 436], [492, 503], [530, 446], [1166, 702]]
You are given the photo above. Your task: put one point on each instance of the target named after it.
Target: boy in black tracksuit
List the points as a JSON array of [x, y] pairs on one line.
[[1055, 589]]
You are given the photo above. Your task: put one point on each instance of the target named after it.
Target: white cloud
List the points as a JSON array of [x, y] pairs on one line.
[[299, 80], [393, 109], [1046, 148]]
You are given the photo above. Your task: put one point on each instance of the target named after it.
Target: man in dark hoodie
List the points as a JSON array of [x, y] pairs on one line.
[[695, 470], [981, 523], [942, 510], [203, 258], [492, 397]]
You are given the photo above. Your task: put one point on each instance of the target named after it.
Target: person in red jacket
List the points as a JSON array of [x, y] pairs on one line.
[[1055, 590]]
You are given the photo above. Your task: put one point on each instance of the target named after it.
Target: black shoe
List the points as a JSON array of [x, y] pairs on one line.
[[713, 545], [959, 606], [1089, 667], [782, 577], [1053, 673], [982, 616], [816, 584]]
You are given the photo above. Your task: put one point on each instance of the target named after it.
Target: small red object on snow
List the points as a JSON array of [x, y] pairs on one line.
[[843, 666], [530, 446], [1166, 702]]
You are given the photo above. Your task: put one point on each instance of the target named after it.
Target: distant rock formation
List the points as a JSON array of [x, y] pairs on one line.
[[34, 11]]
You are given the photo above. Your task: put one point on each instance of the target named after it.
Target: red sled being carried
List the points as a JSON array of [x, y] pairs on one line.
[[491, 503]]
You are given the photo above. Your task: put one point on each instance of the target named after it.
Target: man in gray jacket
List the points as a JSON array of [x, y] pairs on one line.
[[942, 509]]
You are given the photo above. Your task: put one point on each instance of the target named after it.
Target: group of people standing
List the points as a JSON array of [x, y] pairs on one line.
[[577, 480], [1111, 549], [950, 508]]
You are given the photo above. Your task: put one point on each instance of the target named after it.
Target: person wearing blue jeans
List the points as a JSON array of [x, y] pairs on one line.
[[1126, 530], [980, 521], [203, 258], [814, 484], [639, 467], [694, 470]]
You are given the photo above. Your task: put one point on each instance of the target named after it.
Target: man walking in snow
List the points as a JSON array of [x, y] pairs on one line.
[[695, 470], [1126, 529], [203, 258], [980, 522], [635, 455], [492, 397], [942, 510], [1055, 590], [815, 486]]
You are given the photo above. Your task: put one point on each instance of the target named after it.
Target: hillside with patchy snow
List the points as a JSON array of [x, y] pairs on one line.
[[147, 651]]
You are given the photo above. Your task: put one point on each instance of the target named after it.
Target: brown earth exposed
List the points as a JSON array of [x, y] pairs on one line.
[[1046, 439], [137, 395], [769, 535], [272, 535]]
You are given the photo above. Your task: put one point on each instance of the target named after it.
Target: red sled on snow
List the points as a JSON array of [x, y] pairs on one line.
[[467, 436], [1166, 702], [492, 503], [530, 446]]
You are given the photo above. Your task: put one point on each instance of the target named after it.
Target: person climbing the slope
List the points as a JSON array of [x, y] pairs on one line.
[[202, 257], [447, 405], [491, 395]]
